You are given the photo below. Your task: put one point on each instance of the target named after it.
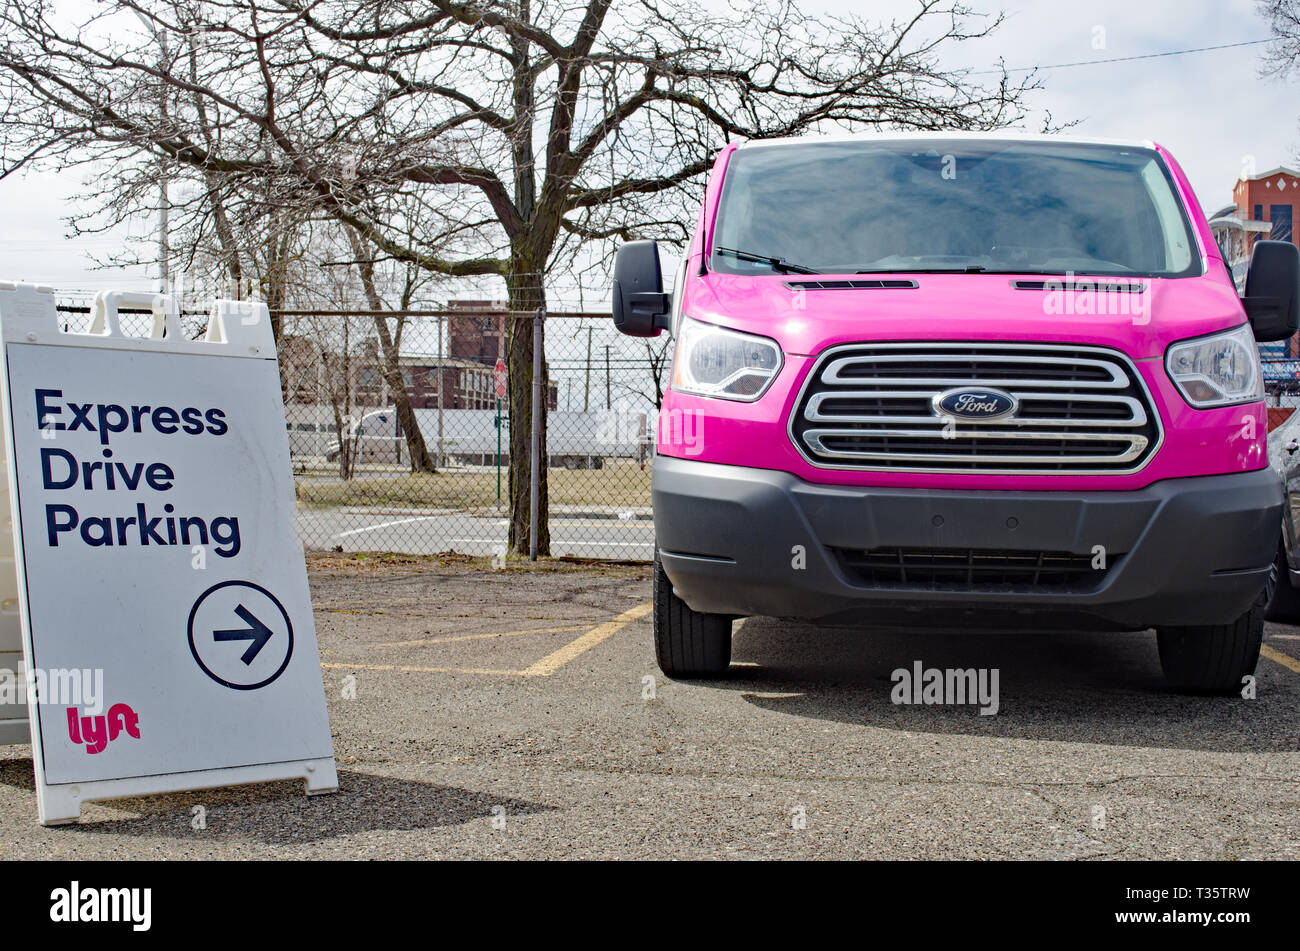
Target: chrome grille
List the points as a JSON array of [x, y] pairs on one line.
[[1078, 409]]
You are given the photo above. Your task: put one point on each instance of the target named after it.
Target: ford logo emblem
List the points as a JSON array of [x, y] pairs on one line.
[[976, 404]]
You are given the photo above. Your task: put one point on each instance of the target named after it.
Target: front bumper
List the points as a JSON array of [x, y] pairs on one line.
[[1180, 551]]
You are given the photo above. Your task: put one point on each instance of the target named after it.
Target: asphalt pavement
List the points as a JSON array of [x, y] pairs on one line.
[[518, 713]]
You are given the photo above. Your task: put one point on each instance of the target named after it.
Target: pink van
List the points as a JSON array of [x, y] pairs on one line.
[[963, 380]]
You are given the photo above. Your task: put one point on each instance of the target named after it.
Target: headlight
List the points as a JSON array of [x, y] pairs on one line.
[[1218, 370], [713, 361]]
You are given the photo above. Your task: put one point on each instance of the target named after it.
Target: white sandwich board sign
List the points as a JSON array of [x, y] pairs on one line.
[[162, 592]]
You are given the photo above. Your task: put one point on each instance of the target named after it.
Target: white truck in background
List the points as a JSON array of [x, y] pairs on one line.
[[468, 437]]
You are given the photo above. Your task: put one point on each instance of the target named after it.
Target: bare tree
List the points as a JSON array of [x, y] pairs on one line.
[[650, 387], [486, 138], [329, 353], [1282, 56], [656, 352], [389, 353]]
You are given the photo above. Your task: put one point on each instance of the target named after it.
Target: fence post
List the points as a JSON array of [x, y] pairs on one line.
[[535, 477], [442, 379]]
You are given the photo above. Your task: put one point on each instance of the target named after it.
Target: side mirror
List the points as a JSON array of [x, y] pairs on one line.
[[641, 308], [1272, 298]]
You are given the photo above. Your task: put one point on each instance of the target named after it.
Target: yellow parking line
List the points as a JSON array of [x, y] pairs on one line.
[[554, 661], [543, 668], [479, 637], [1286, 660]]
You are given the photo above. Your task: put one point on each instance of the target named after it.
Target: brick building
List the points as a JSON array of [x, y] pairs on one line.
[[466, 384], [467, 373], [1264, 206], [479, 336]]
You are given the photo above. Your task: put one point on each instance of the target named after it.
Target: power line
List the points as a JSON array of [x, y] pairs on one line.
[[1122, 59]]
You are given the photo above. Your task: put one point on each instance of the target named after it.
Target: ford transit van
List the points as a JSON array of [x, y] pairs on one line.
[[959, 380]]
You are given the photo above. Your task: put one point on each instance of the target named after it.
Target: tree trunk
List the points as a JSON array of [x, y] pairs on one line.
[[276, 295], [341, 439], [275, 279], [525, 294], [226, 236], [392, 365], [530, 249], [419, 452]]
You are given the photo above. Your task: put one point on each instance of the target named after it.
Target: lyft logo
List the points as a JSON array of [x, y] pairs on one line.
[[96, 732]]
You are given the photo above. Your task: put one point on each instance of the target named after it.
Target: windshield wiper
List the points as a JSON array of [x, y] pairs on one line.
[[776, 264], [981, 269], [964, 269]]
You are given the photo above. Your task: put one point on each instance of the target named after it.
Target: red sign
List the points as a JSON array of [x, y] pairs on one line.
[[499, 375]]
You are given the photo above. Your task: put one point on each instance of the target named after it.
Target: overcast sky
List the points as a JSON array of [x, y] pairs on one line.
[[1211, 109]]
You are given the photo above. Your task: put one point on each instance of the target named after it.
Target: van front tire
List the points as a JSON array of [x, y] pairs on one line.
[[688, 644], [1213, 658]]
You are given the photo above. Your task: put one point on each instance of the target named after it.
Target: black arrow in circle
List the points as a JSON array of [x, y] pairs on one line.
[[257, 632]]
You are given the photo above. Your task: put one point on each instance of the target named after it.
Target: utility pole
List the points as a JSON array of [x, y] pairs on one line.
[[586, 390], [607, 400]]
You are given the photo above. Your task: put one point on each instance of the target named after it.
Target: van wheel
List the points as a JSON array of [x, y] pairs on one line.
[[1213, 658], [1285, 603], [687, 643]]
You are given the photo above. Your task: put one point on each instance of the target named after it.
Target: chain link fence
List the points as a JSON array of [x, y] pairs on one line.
[[399, 440], [399, 425], [404, 446]]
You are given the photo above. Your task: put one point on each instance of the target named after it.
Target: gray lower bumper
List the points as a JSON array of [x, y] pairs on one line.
[[1181, 551]]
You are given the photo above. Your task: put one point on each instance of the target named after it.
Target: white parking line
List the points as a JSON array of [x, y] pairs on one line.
[[371, 528], [425, 518]]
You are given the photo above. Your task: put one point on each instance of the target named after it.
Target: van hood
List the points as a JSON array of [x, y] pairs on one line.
[[805, 316]]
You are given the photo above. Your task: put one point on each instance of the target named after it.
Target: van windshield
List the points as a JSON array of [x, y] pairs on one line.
[[951, 205]]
